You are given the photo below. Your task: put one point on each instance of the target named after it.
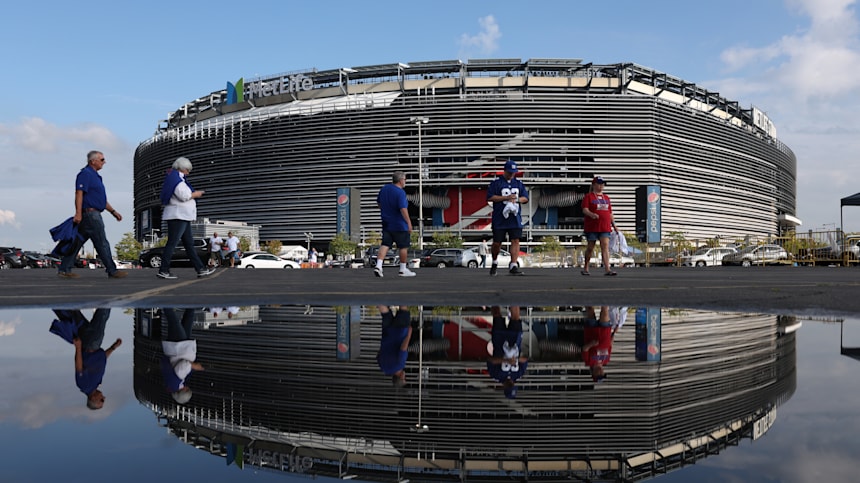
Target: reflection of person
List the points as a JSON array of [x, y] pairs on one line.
[[598, 223], [507, 193], [597, 337], [483, 251], [506, 364], [232, 248], [180, 354], [215, 255], [90, 201], [394, 344], [396, 225], [90, 358], [180, 209]]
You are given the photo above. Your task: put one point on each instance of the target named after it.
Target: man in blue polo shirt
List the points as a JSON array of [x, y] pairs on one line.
[[507, 193], [396, 224], [90, 201], [90, 358]]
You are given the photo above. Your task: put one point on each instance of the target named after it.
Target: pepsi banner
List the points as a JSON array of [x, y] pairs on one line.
[[648, 214], [349, 212]]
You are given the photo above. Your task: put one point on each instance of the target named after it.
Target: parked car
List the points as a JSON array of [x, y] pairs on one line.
[[370, 257], [13, 257], [471, 258], [757, 255], [36, 260], [442, 257], [615, 259], [265, 260], [152, 256], [707, 257]]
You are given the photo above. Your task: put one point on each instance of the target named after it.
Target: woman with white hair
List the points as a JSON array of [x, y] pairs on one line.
[[180, 209]]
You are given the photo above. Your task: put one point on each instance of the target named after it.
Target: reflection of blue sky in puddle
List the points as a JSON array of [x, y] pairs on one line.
[[43, 412]]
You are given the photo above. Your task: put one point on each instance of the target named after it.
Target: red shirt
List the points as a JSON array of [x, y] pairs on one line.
[[600, 205]]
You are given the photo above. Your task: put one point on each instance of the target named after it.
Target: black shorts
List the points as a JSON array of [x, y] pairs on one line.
[[512, 234], [399, 238]]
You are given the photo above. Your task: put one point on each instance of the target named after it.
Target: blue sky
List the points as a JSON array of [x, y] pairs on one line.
[[101, 75]]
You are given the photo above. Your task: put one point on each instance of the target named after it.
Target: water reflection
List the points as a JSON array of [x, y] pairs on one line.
[[90, 361], [538, 394]]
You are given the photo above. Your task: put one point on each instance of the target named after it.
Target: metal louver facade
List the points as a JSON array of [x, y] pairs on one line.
[[276, 161]]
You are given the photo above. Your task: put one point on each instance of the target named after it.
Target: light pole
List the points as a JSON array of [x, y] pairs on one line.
[[419, 120]]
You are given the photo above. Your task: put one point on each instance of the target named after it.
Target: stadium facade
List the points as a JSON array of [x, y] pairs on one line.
[[272, 151]]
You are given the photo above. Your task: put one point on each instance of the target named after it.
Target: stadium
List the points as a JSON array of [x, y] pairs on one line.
[[274, 151]]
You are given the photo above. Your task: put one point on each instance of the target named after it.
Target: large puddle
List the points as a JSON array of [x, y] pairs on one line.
[[370, 393]]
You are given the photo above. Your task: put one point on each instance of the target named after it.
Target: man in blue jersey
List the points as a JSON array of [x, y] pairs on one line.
[[90, 202], [507, 193], [396, 225], [506, 364], [394, 344]]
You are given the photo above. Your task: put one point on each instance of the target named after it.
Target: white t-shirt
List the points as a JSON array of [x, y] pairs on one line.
[[233, 244], [215, 243]]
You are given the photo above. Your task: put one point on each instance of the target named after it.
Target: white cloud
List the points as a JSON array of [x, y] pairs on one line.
[[485, 42], [7, 217], [810, 80], [40, 161], [7, 328]]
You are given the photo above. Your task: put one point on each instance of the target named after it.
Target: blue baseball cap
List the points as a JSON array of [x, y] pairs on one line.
[[598, 180], [511, 167]]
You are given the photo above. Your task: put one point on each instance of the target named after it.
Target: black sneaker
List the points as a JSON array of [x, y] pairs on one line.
[[493, 269], [166, 275], [515, 270], [206, 272]]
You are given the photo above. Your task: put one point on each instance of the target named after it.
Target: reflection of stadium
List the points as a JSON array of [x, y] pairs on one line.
[[275, 158], [276, 395]]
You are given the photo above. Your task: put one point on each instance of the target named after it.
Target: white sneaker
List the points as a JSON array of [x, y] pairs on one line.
[[407, 273], [378, 272]]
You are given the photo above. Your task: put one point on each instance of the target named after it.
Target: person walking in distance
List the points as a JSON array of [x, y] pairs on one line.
[[507, 193], [396, 225], [483, 251], [232, 248], [90, 202], [180, 209], [598, 224], [216, 258]]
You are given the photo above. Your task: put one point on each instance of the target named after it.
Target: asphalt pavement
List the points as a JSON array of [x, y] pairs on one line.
[[781, 289]]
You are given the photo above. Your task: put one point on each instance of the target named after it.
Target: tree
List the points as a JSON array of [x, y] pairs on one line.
[[373, 238], [342, 246], [128, 248], [244, 243], [273, 246], [550, 245], [446, 239]]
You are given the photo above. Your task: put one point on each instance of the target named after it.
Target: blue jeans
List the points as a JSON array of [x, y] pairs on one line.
[[178, 330], [179, 230], [92, 227]]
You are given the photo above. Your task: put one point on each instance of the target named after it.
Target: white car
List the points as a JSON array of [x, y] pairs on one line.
[[707, 257], [615, 260], [265, 260], [471, 259]]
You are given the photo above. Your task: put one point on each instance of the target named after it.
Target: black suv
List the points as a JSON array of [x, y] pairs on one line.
[[442, 257], [370, 257], [152, 256], [14, 257]]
